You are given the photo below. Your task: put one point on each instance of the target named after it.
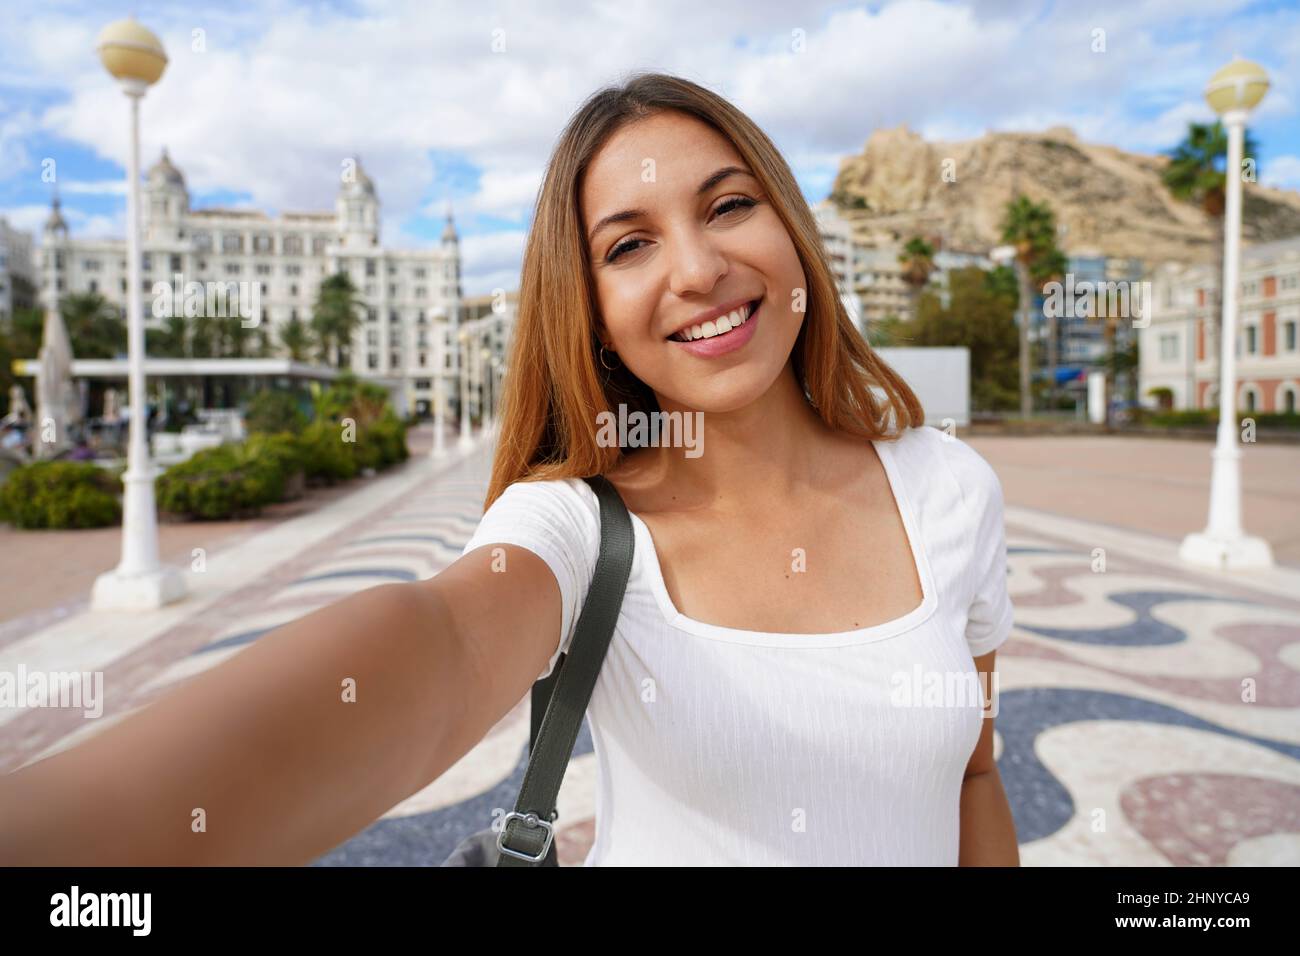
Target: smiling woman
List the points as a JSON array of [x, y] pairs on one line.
[[676, 210], [825, 546]]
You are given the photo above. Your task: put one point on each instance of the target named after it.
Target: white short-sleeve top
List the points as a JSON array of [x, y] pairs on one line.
[[721, 746]]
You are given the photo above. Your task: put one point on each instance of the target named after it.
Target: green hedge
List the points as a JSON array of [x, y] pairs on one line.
[[60, 494], [220, 482], [382, 444], [1174, 419], [235, 480], [1210, 416], [327, 459], [285, 452], [333, 451], [272, 411]]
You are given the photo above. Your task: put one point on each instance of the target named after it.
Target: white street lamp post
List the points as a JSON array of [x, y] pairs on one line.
[[466, 442], [135, 57], [1233, 92], [496, 393], [486, 355], [439, 446]]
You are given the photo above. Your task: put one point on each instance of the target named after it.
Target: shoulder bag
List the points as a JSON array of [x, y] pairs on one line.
[[559, 701]]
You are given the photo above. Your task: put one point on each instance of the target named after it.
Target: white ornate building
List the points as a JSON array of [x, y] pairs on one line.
[[413, 298], [845, 255], [1178, 349], [17, 270]]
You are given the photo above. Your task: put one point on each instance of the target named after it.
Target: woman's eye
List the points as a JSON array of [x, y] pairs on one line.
[[625, 246], [735, 202], [723, 208]]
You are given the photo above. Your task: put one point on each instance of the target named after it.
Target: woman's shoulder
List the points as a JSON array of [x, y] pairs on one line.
[[935, 457], [559, 491], [563, 511]]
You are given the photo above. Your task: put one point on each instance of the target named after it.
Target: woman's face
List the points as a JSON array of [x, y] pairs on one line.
[[697, 239]]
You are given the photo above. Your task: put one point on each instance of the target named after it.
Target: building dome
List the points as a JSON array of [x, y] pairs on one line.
[[358, 183], [163, 173], [55, 221], [449, 230]]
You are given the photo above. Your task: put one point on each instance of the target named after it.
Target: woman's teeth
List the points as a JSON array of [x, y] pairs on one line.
[[718, 326]]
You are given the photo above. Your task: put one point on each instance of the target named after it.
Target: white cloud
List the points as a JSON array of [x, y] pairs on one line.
[[1281, 171], [280, 96], [29, 218], [488, 260], [508, 193], [102, 187]]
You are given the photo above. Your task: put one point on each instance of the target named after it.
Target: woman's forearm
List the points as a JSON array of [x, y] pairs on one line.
[[988, 831], [267, 758]]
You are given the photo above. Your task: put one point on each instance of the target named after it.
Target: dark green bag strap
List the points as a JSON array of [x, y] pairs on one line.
[[559, 701]]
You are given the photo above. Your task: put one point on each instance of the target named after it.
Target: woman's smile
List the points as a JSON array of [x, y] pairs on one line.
[[719, 336]]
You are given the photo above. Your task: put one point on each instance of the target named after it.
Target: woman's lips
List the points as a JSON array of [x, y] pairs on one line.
[[724, 343]]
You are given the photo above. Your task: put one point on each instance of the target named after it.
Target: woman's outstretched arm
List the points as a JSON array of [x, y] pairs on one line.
[[268, 758]]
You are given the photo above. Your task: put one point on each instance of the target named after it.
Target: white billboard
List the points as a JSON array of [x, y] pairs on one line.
[[939, 376]]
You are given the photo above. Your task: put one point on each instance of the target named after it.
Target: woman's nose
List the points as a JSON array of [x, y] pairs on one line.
[[696, 262]]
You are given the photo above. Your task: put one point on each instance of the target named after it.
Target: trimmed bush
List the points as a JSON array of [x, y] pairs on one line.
[[381, 444], [1210, 416], [221, 482], [350, 397], [284, 451], [60, 494], [1190, 416], [1276, 419], [326, 457], [390, 432], [272, 411]]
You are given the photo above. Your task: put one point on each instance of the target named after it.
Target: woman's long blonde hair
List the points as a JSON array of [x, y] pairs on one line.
[[555, 384]]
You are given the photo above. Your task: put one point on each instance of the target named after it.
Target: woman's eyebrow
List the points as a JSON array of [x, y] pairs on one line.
[[712, 180]]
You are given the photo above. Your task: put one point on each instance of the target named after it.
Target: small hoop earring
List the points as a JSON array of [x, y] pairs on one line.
[[602, 360]]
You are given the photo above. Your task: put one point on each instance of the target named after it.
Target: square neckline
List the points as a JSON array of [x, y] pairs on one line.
[[862, 635]]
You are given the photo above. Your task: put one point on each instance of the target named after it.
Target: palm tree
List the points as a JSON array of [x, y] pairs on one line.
[[1050, 266], [206, 342], [20, 340], [1031, 228], [95, 327], [1194, 174], [1109, 318], [297, 338], [264, 347], [239, 339], [917, 259], [168, 341], [335, 317]]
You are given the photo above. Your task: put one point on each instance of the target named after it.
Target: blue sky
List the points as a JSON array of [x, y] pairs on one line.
[[261, 102]]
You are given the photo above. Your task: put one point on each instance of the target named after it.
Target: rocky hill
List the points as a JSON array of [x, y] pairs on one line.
[[1111, 202]]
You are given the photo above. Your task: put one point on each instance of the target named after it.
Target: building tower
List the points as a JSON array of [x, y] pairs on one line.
[[164, 203], [55, 254], [357, 207], [451, 250]]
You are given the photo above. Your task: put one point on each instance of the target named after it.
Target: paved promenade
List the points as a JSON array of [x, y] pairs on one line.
[[1150, 713]]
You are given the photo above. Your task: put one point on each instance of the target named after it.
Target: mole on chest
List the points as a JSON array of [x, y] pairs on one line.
[[778, 584]]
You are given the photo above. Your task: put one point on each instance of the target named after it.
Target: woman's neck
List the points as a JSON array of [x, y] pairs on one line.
[[770, 451]]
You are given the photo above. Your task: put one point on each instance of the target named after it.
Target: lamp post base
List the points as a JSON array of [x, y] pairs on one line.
[[1227, 554], [137, 592], [465, 442]]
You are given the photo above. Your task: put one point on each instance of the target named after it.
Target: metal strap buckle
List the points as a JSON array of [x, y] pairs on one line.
[[532, 820]]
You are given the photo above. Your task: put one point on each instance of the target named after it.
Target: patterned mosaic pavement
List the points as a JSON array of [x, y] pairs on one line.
[[1148, 716]]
